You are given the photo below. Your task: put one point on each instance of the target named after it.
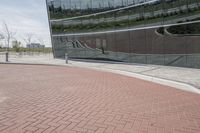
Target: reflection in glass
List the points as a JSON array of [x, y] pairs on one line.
[[164, 32]]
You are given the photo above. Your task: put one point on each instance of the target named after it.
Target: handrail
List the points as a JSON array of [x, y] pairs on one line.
[[100, 13], [124, 30]]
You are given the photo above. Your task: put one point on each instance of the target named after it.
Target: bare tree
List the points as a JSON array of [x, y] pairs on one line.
[[41, 41], [1, 45], [28, 38], [1, 36], [16, 46], [8, 35]]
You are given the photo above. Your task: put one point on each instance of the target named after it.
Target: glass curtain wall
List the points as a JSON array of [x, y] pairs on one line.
[[163, 32]]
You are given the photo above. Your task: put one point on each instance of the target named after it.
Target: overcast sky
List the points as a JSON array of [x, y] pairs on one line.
[[26, 16]]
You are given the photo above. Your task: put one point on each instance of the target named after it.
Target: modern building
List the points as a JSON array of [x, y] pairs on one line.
[[35, 45], [163, 32]]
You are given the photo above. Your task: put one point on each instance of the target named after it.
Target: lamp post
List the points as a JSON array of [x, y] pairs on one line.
[[101, 44], [7, 51]]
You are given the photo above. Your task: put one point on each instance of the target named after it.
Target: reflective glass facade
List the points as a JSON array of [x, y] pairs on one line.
[[163, 32]]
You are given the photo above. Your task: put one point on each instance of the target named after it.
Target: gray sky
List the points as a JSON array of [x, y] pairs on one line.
[[26, 16]]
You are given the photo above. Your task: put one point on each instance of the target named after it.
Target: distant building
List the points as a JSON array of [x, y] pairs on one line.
[[35, 45]]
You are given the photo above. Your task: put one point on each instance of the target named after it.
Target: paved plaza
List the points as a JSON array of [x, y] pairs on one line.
[[188, 76], [64, 99]]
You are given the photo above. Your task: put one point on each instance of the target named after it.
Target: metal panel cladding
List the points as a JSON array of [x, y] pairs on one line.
[[163, 32]]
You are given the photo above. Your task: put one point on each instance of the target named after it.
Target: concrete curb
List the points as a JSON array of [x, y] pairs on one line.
[[167, 82], [174, 84], [37, 64], [162, 81], [19, 63]]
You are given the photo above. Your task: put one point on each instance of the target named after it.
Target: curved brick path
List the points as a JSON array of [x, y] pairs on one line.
[[64, 100]]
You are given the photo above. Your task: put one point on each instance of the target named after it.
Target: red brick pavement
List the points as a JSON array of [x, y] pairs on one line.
[[73, 100]]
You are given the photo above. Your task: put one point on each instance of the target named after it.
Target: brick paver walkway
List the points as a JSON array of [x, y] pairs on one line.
[[69, 100]]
